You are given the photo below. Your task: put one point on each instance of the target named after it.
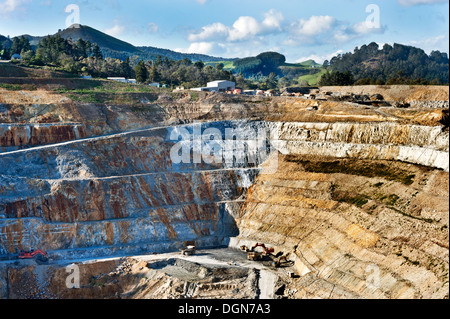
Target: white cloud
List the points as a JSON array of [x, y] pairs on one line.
[[440, 42], [9, 6], [347, 33], [203, 48], [116, 30], [315, 25], [153, 27], [213, 31], [248, 34], [273, 20], [201, 1], [408, 3], [244, 28]]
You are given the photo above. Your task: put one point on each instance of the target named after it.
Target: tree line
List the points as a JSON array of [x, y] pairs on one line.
[[180, 73], [86, 58], [397, 64]]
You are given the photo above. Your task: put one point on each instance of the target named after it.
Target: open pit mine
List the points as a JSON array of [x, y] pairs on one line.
[[343, 196]]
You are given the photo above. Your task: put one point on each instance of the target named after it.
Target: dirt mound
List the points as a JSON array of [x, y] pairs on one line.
[[11, 70]]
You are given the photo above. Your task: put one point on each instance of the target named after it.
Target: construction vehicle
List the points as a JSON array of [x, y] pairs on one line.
[[254, 256], [267, 251], [244, 248], [277, 263], [257, 256], [38, 255], [189, 251]]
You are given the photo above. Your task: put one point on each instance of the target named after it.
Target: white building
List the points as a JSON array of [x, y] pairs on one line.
[[222, 86], [123, 80], [217, 86]]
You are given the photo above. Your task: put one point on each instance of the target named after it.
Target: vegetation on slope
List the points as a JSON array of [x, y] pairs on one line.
[[397, 64]]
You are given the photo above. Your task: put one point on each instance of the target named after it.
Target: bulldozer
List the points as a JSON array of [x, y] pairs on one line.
[[40, 256]]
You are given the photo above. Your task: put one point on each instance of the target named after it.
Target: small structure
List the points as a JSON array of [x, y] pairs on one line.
[[222, 86], [122, 80], [155, 84], [16, 57], [249, 92], [270, 93]]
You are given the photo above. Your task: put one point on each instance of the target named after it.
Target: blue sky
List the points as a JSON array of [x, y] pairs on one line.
[[300, 29]]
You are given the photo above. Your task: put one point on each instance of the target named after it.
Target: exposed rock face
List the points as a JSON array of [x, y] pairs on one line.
[[345, 230], [354, 191], [13, 137]]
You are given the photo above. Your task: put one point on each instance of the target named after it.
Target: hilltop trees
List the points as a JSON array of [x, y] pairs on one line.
[[80, 57], [399, 64], [336, 78], [265, 63], [19, 45]]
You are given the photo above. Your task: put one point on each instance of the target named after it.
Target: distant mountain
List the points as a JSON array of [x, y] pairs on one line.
[[115, 48], [173, 55], [5, 42], [76, 32]]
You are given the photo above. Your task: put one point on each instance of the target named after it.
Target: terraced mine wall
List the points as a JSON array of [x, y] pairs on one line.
[[124, 193], [355, 191]]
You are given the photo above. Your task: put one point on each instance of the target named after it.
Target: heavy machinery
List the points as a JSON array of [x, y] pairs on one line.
[[254, 256], [38, 255], [267, 251], [257, 256], [189, 251], [277, 263]]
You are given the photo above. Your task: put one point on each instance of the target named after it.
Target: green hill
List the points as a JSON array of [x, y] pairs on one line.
[[115, 48], [5, 42], [310, 63], [397, 64], [94, 36]]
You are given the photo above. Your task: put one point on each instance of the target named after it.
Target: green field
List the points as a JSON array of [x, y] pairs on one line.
[[304, 65], [312, 79], [228, 65]]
